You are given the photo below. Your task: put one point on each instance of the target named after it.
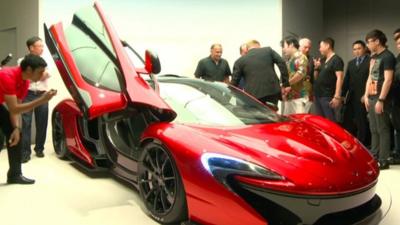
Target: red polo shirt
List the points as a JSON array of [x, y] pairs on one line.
[[11, 83]]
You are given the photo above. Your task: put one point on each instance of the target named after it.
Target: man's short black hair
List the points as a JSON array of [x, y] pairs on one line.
[[360, 42], [377, 35], [31, 41], [290, 40], [32, 61], [329, 41]]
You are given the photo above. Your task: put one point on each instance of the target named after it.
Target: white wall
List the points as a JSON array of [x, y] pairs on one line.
[[182, 31]]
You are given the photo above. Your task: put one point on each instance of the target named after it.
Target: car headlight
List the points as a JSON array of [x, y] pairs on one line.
[[222, 166]]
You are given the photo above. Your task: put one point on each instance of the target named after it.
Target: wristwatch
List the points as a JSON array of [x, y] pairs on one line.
[[381, 100]]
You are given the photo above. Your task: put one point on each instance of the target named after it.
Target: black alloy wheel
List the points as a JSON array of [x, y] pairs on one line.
[[160, 185], [59, 144]]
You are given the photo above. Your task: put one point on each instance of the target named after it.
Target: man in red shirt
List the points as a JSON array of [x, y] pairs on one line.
[[14, 83]]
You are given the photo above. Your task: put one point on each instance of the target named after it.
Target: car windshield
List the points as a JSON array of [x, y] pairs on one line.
[[213, 103]]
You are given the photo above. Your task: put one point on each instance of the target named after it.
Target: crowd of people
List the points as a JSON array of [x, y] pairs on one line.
[[364, 99]]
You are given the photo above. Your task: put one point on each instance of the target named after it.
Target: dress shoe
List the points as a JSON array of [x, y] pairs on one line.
[[20, 180], [40, 154], [383, 165], [25, 159]]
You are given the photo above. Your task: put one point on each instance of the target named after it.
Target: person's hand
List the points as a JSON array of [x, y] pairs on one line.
[[49, 94], [227, 80], [14, 137], [366, 102], [335, 102], [317, 63], [286, 90], [284, 97], [379, 107]]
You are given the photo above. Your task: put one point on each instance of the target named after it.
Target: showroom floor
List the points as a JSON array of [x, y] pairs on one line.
[[65, 195]]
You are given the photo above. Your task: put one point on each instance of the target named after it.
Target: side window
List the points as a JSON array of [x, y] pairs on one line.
[[92, 51]]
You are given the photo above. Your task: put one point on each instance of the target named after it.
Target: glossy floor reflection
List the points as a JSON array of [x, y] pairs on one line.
[[65, 195]]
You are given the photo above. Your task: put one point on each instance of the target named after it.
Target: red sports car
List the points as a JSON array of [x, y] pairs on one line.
[[200, 152]]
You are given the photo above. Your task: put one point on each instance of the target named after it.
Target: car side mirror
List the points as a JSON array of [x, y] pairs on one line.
[[152, 62]]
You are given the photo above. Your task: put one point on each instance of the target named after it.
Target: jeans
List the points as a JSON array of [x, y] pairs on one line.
[[14, 152], [41, 117], [323, 108]]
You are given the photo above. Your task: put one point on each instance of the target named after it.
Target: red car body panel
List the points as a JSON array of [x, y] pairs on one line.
[[288, 148], [262, 145], [70, 113]]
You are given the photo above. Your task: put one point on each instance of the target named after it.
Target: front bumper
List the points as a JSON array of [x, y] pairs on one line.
[[284, 209]]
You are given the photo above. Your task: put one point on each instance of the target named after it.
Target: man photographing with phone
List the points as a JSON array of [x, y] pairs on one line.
[[14, 83]]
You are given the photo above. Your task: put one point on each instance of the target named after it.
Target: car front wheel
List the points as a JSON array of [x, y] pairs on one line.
[[160, 185], [59, 136]]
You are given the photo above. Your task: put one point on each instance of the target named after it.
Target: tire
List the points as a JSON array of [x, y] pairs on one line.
[[58, 134], [160, 185]]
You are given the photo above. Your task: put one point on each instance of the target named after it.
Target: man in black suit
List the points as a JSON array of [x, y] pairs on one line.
[[355, 115], [257, 69]]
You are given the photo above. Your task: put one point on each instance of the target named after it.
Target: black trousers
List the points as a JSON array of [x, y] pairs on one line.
[[355, 121], [14, 152], [380, 127]]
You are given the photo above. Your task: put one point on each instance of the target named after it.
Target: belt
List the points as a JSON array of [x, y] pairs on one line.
[[36, 92]]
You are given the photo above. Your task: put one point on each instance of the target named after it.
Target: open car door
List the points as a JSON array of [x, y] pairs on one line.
[[96, 68]]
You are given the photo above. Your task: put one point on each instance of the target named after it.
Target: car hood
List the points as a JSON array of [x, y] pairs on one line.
[[305, 154]]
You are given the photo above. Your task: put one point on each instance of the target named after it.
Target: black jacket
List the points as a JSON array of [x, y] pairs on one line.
[[257, 69], [355, 79]]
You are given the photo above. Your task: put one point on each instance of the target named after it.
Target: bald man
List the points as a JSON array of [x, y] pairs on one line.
[[213, 67]]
